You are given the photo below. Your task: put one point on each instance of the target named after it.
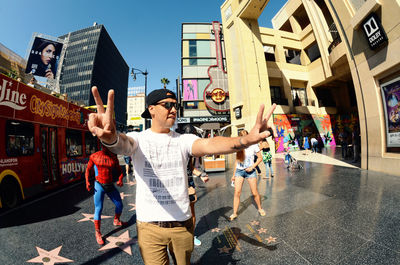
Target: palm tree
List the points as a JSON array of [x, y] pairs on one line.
[[165, 81]]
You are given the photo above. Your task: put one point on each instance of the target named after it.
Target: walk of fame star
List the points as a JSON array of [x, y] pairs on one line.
[[255, 222], [124, 195], [271, 239], [89, 217], [133, 206], [49, 257], [132, 183], [215, 230], [262, 230], [123, 242], [224, 249]]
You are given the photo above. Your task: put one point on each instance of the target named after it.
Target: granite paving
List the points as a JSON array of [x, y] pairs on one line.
[[328, 212]]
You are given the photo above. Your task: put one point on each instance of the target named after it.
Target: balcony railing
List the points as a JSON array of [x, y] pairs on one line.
[[335, 36]]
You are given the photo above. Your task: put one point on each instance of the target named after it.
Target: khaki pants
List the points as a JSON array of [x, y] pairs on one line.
[[154, 240]]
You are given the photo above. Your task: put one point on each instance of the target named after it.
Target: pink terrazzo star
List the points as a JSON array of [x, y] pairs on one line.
[[124, 195], [132, 183], [271, 239], [89, 217], [133, 206], [262, 230], [215, 230], [224, 249], [49, 257], [255, 222], [123, 242]]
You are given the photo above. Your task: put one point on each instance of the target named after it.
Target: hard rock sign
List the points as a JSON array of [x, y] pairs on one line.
[[216, 95]]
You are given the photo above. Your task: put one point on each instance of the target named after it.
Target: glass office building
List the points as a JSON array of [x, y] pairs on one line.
[[92, 59]]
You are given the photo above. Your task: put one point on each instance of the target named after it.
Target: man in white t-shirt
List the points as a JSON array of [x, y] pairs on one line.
[[159, 158]]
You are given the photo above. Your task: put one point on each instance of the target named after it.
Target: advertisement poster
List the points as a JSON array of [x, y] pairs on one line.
[[391, 103], [190, 90], [43, 58]]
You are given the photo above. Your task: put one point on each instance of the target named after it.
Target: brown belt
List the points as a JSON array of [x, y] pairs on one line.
[[171, 224]]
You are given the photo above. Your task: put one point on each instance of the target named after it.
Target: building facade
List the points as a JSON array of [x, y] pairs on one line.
[[205, 95], [92, 59], [328, 65], [10, 62], [135, 107]]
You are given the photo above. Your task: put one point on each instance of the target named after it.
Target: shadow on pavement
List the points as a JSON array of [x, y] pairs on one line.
[[46, 207], [223, 247]]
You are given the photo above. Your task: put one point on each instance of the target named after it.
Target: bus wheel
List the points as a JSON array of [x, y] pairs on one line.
[[10, 193]]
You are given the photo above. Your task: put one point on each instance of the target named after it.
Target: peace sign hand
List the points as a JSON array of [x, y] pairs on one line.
[[102, 124], [263, 128]]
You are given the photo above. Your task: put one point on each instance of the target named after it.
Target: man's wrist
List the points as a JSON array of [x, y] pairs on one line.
[[242, 145], [111, 144]]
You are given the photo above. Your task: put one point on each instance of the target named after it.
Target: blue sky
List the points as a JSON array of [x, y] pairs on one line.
[[147, 33]]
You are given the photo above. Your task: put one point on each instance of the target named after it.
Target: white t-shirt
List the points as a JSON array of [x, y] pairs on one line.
[[249, 154], [314, 141], [160, 162]]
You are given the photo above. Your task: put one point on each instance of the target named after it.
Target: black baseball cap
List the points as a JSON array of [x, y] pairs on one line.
[[154, 97]]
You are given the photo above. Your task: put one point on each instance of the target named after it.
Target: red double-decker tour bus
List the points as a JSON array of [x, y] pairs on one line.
[[45, 142]]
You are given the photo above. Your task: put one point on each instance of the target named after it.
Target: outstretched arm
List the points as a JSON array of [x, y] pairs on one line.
[[102, 125], [226, 145]]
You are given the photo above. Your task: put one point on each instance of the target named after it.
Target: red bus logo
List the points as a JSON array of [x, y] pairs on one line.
[[11, 98]]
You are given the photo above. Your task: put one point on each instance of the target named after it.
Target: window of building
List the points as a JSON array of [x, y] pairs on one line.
[[191, 104], [192, 48], [286, 27], [299, 96], [292, 56], [90, 143], [276, 96], [73, 142], [313, 52], [269, 52], [19, 138], [325, 98], [301, 17], [199, 61]]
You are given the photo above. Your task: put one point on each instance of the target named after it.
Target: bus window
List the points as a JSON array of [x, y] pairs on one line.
[[90, 143], [73, 141], [19, 138]]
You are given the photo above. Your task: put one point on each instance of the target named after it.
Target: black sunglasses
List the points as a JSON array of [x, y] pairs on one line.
[[169, 105]]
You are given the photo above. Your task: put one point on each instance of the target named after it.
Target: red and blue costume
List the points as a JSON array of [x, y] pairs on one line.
[[102, 165]]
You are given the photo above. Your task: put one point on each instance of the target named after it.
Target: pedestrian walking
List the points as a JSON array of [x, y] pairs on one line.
[[267, 158], [102, 164], [306, 145], [343, 138], [314, 144], [128, 166], [245, 169], [356, 142], [159, 157]]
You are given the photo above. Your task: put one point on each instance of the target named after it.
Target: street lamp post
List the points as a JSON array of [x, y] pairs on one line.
[[134, 72]]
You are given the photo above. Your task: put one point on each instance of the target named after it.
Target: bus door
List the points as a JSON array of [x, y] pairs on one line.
[[48, 142]]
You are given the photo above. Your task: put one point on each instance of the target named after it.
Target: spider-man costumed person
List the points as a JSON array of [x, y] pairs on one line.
[[103, 163]]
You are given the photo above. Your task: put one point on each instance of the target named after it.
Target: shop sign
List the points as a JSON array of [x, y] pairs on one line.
[[219, 118], [183, 120], [374, 31]]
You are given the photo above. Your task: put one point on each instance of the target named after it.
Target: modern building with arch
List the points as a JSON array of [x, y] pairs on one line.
[[329, 65]]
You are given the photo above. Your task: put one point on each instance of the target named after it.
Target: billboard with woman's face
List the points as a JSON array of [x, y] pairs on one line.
[[43, 58]]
